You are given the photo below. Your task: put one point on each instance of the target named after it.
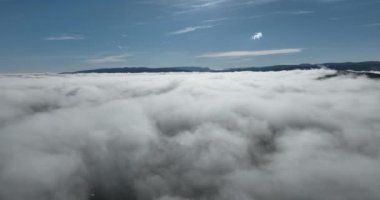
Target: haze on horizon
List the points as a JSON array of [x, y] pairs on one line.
[[57, 36]]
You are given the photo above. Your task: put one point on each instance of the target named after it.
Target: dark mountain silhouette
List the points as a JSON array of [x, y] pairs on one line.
[[354, 74], [353, 66], [143, 70], [274, 68], [358, 66]]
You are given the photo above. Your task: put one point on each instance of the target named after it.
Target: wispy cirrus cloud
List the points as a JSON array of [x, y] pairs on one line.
[[329, 1], [215, 20], [191, 29], [190, 4], [109, 59], [186, 6], [207, 3], [238, 54], [281, 13], [373, 25], [65, 37], [300, 12]]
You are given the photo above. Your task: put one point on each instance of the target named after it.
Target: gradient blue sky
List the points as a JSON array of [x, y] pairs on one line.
[[67, 35]]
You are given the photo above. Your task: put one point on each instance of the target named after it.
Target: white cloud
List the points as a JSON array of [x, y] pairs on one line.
[[207, 3], [109, 59], [65, 37], [301, 12], [235, 54], [280, 13], [191, 29], [255, 2], [275, 135], [193, 4], [330, 1], [257, 36], [186, 6], [215, 20]]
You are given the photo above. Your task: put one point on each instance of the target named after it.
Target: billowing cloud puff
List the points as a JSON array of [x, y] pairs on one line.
[[220, 136], [257, 36]]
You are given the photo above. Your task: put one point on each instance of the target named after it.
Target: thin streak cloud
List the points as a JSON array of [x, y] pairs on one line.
[[208, 3], [301, 12], [187, 6], [65, 37], [191, 29], [109, 59], [373, 25], [237, 54], [215, 20]]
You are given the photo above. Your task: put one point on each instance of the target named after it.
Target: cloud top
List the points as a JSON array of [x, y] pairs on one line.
[[194, 136]]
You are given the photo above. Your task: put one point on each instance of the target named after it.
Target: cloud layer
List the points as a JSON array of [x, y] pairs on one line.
[[221, 136]]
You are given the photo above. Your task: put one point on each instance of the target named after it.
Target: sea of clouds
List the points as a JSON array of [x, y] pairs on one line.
[[189, 136]]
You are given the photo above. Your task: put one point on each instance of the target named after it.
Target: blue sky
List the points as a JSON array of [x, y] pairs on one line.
[[56, 35]]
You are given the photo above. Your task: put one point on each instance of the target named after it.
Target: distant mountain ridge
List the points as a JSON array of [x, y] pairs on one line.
[[143, 70], [354, 66]]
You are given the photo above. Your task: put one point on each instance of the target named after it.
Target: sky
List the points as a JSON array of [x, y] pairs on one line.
[[70, 35]]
